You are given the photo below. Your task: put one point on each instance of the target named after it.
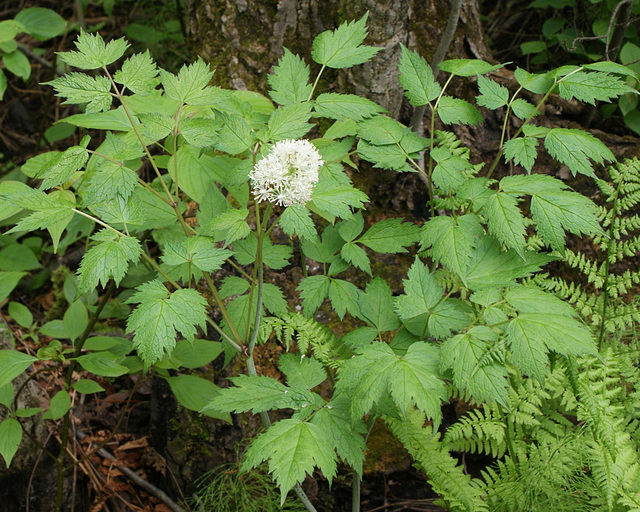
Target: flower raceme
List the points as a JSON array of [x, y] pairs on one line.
[[287, 174]]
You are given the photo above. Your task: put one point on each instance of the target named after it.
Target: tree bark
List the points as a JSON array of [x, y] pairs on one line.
[[243, 39]]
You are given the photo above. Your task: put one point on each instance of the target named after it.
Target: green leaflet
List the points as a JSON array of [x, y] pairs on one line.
[[302, 372], [79, 88], [192, 257], [137, 73], [457, 111], [376, 306], [293, 448], [334, 198], [344, 296], [522, 150], [343, 47], [390, 236], [481, 377], [296, 219], [416, 78], [452, 239], [505, 220], [93, 53], [592, 86], [289, 81], [411, 380], [160, 315], [575, 148], [492, 94], [189, 86], [345, 106], [313, 290], [108, 259], [289, 122], [532, 335]]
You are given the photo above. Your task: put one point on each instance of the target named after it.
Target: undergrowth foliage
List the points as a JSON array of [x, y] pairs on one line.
[[190, 178]]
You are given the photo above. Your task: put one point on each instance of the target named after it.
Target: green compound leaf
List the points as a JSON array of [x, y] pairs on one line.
[[416, 78], [289, 122], [532, 335], [10, 438], [452, 239], [313, 290], [302, 372], [108, 259], [522, 150], [380, 130], [296, 219], [575, 147], [137, 73], [189, 86], [356, 255], [344, 297], [467, 67], [390, 236], [492, 94], [484, 379], [159, 317], [289, 81], [457, 111], [93, 53], [193, 256], [343, 47], [346, 435], [377, 371], [293, 449], [345, 106], [376, 306], [79, 88], [505, 220], [592, 87]]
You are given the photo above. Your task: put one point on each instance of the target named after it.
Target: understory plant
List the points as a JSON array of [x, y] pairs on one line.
[[198, 197]]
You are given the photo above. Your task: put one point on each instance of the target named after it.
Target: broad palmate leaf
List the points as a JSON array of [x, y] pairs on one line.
[[159, 317]]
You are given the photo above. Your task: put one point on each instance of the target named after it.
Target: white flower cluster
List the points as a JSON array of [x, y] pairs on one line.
[[287, 174]]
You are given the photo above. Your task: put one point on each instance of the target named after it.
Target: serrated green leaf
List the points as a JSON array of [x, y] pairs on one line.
[[421, 292], [380, 130], [155, 126], [591, 87], [273, 299], [448, 175], [346, 436], [289, 122], [356, 255], [79, 88], [302, 372], [160, 315], [531, 335], [505, 220], [344, 297], [235, 134], [416, 78], [484, 379], [108, 259], [345, 106], [233, 285], [231, 224], [289, 81], [296, 219], [527, 299], [376, 306], [63, 166], [313, 290], [349, 229], [607, 66], [343, 47], [336, 198], [390, 236], [389, 156], [523, 109], [522, 150], [294, 449], [193, 256], [110, 182], [492, 94], [457, 111], [575, 147], [48, 209], [376, 372], [538, 84], [137, 73], [93, 53], [189, 86], [452, 239], [10, 438], [467, 67], [199, 131]]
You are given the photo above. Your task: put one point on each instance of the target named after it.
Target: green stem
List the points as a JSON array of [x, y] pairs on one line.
[[357, 478], [315, 83]]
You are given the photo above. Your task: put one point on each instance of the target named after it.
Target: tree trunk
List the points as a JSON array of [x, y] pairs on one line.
[[243, 39]]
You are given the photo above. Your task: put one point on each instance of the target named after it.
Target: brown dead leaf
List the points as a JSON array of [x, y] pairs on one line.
[[141, 442]]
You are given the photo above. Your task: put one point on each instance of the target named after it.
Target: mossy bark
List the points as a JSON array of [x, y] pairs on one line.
[[243, 39]]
